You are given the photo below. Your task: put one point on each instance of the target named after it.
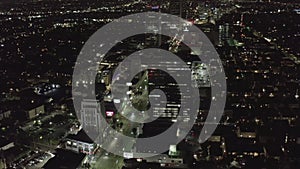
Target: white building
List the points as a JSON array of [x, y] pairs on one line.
[[80, 143]]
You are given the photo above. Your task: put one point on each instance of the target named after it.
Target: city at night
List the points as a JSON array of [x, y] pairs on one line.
[[150, 84]]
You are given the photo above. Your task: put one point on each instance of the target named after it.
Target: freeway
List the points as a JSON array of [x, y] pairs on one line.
[[113, 139], [108, 161]]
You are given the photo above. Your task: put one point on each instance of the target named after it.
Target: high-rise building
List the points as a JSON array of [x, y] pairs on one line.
[[223, 33], [200, 75], [161, 80], [176, 7], [90, 115]]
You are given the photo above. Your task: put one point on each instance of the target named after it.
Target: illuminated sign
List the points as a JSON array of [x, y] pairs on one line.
[[128, 155], [109, 113], [155, 7]]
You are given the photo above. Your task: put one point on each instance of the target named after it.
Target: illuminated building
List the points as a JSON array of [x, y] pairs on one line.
[[90, 115], [80, 143]]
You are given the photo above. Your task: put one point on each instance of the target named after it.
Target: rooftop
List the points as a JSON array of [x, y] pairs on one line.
[[64, 159], [80, 136]]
